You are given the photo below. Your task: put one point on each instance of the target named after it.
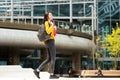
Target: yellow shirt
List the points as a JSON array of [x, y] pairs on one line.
[[49, 30]]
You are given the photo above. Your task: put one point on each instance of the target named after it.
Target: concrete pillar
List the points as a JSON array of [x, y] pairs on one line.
[[76, 61], [43, 57], [14, 58]]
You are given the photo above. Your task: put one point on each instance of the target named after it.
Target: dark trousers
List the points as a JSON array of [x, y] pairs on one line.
[[50, 44]]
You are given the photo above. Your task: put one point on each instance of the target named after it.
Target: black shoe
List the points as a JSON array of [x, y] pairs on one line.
[[53, 77], [36, 73]]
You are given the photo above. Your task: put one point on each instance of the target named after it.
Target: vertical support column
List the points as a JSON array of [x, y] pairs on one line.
[[14, 58], [38, 22], [76, 61], [45, 5], [70, 11], [92, 11], [32, 13], [12, 11], [22, 13], [43, 57]]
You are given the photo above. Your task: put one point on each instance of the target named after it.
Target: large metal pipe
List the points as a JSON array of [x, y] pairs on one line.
[[28, 39]]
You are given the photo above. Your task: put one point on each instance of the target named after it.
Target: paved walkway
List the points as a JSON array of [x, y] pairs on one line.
[[16, 72]]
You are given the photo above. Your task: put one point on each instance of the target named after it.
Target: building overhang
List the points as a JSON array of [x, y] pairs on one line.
[[29, 39], [25, 36]]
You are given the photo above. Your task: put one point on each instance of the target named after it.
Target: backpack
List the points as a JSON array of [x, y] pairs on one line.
[[42, 35]]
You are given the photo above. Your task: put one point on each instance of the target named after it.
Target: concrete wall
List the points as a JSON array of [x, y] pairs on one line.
[[28, 39]]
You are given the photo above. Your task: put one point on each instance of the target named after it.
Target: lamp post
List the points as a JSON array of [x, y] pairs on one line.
[[92, 12]]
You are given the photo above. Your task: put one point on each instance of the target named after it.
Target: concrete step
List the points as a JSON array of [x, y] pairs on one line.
[[16, 73], [10, 67]]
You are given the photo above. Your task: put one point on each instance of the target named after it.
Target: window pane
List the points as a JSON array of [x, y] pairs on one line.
[[64, 10], [78, 10]]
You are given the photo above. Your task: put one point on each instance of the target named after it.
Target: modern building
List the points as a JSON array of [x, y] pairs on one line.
[[86, 16], [108, 14]]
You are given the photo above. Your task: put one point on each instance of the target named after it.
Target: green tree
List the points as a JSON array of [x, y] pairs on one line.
[[113, 44]]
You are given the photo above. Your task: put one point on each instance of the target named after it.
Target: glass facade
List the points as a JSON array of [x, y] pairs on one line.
[[28, 10], [33, 11], [108, 12], [106, 15]]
